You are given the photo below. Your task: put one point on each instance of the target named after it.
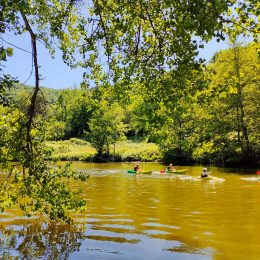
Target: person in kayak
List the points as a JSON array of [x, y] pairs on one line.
[[170, 168], [137, 167], [204, 173]]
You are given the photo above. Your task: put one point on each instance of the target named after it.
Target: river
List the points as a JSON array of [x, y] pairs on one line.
[[156, 216]]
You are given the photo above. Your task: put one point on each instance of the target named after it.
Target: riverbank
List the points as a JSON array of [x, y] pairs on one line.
[[80, 150], [125, 151]]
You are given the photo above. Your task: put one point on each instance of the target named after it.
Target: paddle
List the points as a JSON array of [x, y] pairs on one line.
[[168, 171], [164, 171]]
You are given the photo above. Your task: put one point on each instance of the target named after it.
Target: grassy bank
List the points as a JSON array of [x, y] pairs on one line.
[[79, 150]]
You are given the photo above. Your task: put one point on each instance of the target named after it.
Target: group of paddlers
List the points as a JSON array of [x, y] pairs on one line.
[[170, 167]]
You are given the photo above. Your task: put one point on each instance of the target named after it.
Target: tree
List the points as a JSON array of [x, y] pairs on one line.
[[233, 118], [23, 132], [106, 127], [73, 110], [145, 40]]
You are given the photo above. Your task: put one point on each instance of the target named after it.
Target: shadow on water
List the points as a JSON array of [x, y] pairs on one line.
[[48, 240]]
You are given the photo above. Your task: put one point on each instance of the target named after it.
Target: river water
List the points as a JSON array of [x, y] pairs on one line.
[[157, 216]]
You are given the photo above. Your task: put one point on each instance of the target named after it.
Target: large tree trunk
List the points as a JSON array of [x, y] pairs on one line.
[[33, 102], [242, 131]]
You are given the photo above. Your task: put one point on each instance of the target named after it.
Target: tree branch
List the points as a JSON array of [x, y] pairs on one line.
[[32, 107], [104, 30]]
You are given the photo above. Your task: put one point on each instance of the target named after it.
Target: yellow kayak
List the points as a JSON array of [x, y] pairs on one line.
[[141, 172]]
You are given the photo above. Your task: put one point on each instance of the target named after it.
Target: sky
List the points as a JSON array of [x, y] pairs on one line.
[[56, 74]]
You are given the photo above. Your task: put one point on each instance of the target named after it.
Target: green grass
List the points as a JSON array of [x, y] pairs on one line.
[[130, 151], [80, 150], [72, 150]]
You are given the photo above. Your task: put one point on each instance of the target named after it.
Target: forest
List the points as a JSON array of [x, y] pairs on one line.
[[218, 123], [153, 88]]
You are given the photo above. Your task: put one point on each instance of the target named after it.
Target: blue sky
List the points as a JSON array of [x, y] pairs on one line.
[[55, 74]]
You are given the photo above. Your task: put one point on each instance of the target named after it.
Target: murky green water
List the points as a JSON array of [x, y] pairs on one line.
[[147, 217]]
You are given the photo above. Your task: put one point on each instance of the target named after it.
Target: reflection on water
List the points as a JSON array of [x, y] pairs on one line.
[[35, 239], [146, 216]]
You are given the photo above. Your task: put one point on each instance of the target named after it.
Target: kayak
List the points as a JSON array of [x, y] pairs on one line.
[[142, 172], [176, 171], [131, 171]]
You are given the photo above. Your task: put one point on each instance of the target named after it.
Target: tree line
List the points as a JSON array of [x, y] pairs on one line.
[[218, 123]]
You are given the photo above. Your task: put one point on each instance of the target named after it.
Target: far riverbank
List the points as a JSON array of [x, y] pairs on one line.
[[126, 151], [80, 150]]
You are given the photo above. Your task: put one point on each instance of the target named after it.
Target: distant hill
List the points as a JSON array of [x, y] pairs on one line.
[[50, 94]]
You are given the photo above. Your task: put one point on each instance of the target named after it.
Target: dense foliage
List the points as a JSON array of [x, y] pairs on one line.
[[215, 121]]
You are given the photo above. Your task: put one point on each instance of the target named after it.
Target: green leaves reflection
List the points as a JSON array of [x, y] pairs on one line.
[[50, 240]]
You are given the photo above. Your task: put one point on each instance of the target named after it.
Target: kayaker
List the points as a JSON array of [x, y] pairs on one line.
[[170, 168], [137, 168], [204, 173]]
